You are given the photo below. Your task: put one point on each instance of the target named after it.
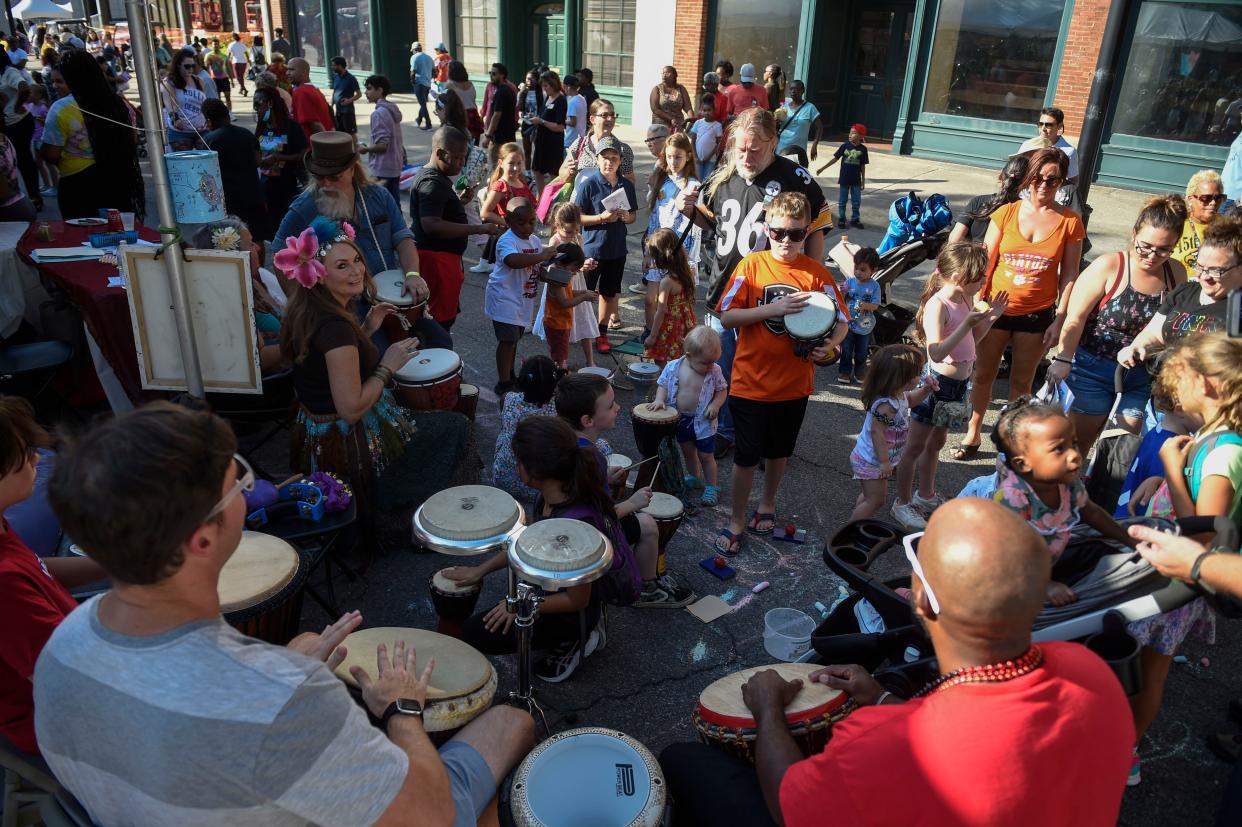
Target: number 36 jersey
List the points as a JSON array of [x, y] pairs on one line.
[[738, 207]]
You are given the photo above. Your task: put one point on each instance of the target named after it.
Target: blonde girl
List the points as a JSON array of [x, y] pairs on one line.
[[674, 171], [567, 229], [674, 316], [950, 322], [508, 180]]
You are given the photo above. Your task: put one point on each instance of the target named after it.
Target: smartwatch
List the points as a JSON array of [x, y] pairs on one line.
[[401, 706]]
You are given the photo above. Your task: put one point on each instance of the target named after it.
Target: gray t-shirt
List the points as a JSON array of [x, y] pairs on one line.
[[204, 726]]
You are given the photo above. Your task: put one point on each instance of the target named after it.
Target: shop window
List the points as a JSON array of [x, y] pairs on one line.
[[756, 33], [353, 33], [992, 58], [476, 34], [608, 41], [309, 27], [1183, 77]]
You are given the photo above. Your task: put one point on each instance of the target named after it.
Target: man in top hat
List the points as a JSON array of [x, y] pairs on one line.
[[310, 108], [422, 72], [341, 189], [744, 95]]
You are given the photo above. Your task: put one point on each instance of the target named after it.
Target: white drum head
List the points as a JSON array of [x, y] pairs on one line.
[[261, 566], [467, 389], [448, 586], [597, 371], [813, 321], [469, 512], [644, 413], [725, 695], [560, 545], [460, 668], [388, 286], [664, 506], [619, 461], [589, 776], [644, 371], [429, 366]]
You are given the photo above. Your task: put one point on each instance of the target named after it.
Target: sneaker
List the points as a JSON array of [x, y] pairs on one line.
[[845, 379], [597, 641], [602, 345], [638, 287], [856, 224], [908, 516], [927, 505], [482, 267], [559, 663], [1136, 770], [48, 192], [664, 593]]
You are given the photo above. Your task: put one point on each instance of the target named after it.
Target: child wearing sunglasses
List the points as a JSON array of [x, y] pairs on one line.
[[771, 383]]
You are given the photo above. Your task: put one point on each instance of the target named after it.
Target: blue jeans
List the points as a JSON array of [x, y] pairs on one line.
[[854, 353], [854, 193], [728, 347], [421, 93]]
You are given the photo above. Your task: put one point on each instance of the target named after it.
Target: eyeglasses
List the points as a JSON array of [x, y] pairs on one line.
[[908, 541], [1213, 273], [245, 482], [606, 115], [1151, 251], [1209, 199], [781, 233], [1048, 124], [1051, 180]]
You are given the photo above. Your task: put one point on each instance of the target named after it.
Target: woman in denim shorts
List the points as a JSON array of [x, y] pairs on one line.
[[1111, 302]]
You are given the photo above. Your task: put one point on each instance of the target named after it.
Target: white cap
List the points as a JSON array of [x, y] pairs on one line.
[[416, 46], [747, 73]]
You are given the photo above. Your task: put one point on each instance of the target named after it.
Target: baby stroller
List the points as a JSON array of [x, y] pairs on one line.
[[1113, 588]]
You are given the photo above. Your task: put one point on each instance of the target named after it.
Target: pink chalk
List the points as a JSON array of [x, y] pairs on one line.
[[760, 587]]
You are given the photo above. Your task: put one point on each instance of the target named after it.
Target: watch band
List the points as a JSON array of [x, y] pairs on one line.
[[395, 709], [1194, 571]]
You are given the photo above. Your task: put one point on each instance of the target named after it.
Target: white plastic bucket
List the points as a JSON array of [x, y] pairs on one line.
[[197, 193], [787, 633]]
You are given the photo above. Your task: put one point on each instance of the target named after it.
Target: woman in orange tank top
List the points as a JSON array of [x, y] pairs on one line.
[[1034, 250]]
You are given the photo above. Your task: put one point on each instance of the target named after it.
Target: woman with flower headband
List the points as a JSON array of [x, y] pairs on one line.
[[348, 422]]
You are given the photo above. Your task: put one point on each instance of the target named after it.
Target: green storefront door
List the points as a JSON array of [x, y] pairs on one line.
[[876, 71], [548, 37]]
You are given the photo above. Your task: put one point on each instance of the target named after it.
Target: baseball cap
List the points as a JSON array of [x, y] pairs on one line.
[[747, 73], [416, 46], [607, 142], [440, 46]]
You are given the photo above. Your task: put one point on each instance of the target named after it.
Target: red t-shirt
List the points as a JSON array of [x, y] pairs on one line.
[[741, 98], [1051, 747], [33, 605], [309, 106]]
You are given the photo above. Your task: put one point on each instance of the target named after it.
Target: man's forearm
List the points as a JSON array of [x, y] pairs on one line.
[[407, 253], [775, 752], [426, 780]]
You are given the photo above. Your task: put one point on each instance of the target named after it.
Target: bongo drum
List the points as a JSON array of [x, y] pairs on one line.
[[722, 719], [462, 683], [558, 553], [588, 776], [388, 288], [810, 326], [643, 373], [667, 512], [261, 588], [467, 400], [467, 519], [650, 428], [431, 381], [615, 461], [453, 602]]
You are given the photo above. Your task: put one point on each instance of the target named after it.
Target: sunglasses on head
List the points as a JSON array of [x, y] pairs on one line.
[[782, 233], [1209, 199]]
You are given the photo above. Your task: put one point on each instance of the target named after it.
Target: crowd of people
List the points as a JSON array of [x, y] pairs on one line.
[[1009, 731]]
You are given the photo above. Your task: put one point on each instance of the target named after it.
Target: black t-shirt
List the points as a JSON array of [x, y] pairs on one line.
[[310, 376], [974, 216], [1184, 315], [239, 172], [504, 101], [433, 196], [739, 206], [289, 140]]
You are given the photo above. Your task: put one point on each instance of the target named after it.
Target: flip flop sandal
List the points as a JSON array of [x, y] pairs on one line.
[[733, 542], [965, 452], [758, 517], [711, 495]]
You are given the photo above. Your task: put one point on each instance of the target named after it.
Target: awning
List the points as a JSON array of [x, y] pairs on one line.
[[42, 10], [1187, 26]]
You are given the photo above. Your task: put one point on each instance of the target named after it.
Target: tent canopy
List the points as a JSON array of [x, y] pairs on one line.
[[42, 10]]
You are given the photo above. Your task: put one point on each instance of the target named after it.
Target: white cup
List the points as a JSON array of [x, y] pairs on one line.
[[127, 221]]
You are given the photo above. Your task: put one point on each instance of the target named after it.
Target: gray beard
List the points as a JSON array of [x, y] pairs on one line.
[[333, 206]]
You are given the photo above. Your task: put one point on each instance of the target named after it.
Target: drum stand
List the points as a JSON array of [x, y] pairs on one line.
[[523, 600]]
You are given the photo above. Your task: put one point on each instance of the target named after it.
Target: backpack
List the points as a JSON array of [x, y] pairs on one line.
[[623, 582], [1199, 453]]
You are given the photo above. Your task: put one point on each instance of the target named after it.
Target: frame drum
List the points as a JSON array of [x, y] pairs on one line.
[[723, 720], [261, 588], [667, 511], [589, 776], [388, 287], [650, 428], [467, 519], [430, 381], [463, 682]]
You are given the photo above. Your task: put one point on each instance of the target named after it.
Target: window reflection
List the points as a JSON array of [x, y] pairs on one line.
[[310, 31], [757, 33], [353, 33], [608, 41], [992, 58], [1183, 77], [476, 34]]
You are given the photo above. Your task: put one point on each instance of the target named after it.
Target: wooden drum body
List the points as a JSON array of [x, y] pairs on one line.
[[723, 720], [650, 428], [463, 683], [261, 588], [431, 381], [667, 511], [453, 603], [615, 461], [467, 400], [388, 288]]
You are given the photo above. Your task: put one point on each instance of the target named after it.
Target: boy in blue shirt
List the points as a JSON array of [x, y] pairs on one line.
[[853, 176], [862, 296]]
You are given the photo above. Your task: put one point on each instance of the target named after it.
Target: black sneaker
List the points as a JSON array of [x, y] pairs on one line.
[[559, 663], [856, 224], [664, 593]]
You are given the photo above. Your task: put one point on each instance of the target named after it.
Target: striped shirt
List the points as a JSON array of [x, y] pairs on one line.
[[204, 726]]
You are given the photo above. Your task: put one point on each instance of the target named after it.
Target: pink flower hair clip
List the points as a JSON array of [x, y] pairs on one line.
[[300, 259]]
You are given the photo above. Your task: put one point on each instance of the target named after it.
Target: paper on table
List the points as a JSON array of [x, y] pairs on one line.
[[709, 608], [66, 253], [617, 200]]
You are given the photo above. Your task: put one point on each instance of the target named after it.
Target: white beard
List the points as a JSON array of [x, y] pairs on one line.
[[333, 206]]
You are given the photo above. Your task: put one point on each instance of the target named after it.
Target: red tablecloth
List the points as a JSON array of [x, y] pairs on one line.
[[104, 309]]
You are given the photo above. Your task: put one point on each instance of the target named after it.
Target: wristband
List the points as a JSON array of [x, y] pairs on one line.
[[883, 695], [1063, 361], [1194, 571], [413, 273], [383, 374]]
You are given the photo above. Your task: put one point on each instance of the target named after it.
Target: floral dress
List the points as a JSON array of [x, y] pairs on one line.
[[864, 459], [504, 467], [679, 319]]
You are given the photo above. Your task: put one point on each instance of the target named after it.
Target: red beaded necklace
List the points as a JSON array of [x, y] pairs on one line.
[[988, 673]]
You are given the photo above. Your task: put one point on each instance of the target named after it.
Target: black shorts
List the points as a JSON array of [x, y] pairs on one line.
[[631, 529], [765, 430], [606, 277], [508, 333], [346, 121], [1036, 322], [222, 85]]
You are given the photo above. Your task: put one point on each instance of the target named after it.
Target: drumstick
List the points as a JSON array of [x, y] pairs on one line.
[[642, 462]]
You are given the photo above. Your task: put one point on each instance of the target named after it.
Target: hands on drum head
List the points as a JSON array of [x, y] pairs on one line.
[[399, 353], [788, 303], [464, 575], [396, 677], [326, 646], [851, 679], [767, 692], [376, 315]]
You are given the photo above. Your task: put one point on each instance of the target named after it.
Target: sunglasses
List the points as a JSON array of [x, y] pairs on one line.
[[1209, 199], [1051, 180], [1048, 124], [245, 482], [190, 66], [334, 177], [781, 233], [1149, 250], [908, 541]]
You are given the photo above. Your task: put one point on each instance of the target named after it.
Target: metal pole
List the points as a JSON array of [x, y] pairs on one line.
[[268, 35], [1092, 134], [144, 71]]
